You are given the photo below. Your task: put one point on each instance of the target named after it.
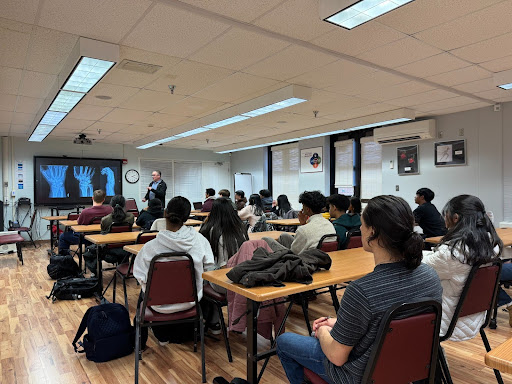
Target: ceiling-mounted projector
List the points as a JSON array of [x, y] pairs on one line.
[[82, 139]]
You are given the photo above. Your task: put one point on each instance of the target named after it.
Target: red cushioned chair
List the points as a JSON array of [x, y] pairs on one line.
[[329, 243], [405, 348], [169, 282], [14, 238], [479, 295], [354, 239], [131, 206], [219, 300]]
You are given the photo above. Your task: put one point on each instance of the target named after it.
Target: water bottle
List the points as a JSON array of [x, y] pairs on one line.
[[76, 296]]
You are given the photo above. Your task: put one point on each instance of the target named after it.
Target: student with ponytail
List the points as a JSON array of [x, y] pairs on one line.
[[177, 237], [118, 215], [471, 240], [341, 347]]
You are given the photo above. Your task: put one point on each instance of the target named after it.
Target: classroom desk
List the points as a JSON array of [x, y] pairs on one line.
[[284, 222], [505, 235], [51, 219], [500, 358], [347, 265], [200, 214]]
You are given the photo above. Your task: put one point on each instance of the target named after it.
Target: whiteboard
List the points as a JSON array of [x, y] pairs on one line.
[[243, 181]]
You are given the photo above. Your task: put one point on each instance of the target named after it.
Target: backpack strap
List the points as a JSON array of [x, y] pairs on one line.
[[81, 330]]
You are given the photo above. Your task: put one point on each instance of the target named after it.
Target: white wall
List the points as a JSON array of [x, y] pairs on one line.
[[25, 151], [483, 174], [255, 162], [318, 181]]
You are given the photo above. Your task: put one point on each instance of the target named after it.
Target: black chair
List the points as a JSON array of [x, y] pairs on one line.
[[502, 284], [197, 205], [27, 230]]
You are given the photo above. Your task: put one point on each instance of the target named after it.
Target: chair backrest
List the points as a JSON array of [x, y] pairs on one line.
[[73, 216], [145, 236], [406, 345], [198, 205], [354, 239], [131, 205], [478, 295], [170, 281], [329, 243], [96, 220], [33, 218], [118, 228]]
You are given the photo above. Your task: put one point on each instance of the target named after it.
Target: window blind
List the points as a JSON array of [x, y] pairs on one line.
[[217, 176], [147, 166], [344, 167], [371, 168], [187, 180], [285, 172]]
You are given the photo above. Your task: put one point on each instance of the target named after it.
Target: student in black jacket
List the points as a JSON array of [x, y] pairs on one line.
[[427, 216], [157, 188], [151, 213]]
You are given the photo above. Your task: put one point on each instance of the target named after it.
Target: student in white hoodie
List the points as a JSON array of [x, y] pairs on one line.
[[471, 240], [177, 237]]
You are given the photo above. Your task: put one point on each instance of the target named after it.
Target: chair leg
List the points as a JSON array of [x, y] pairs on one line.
[[334, 297], [114, 287], [137, 348], [32, 240], [108, 285], [224, 332], [304, 303], [444, 366], [488, 349], [125, 293], [201, 332], [493, 323], [18, 251]]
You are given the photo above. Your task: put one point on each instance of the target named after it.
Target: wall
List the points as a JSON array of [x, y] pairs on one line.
[[255, 162], [483, 174], [25, 151], [320, 180]]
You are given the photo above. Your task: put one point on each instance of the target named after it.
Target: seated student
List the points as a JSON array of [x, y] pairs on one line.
[[210, 196], [176, 238], [426, 215], [150, 214], [240, 200], [85, 218], [503, 297], [224, 193], [282, 206], [313, 225], [225, 232], [343, 222], [266, 199], [471, 240], [253, 212], [118, 215], [340, 347], [355, 207]]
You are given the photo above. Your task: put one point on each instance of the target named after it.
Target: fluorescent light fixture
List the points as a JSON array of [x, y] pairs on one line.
[[505, 86], [351, 13], [503, 79], [274, 107], [191, 133], [88, 62], [222, 123]]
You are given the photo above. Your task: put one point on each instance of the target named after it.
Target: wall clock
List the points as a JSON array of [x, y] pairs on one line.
[[132, 176]]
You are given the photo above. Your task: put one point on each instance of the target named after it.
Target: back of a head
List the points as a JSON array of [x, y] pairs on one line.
[[284, 204], [210, 191], [240, 193], [224, 193], [341, 202], [427, 194], [265, 193], [315, 200], [178, 210], [470, 230], [392, 222], [155, 204], [355, 202], [99, 196], [255, 200], [118, 214]]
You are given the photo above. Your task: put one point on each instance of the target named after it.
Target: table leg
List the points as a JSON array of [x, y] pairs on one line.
[[99, 276], [51, 237], [252, 341], [80, 252]]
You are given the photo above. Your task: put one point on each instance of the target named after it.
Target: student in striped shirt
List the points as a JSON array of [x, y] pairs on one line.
[[340, 347]]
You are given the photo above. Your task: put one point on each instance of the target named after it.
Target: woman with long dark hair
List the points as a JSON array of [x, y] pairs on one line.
[[150, 214], [340, 347], [118, 215], [253, 212], [471, 240], [283, 206]]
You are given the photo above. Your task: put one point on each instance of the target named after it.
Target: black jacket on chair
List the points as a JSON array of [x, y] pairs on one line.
[[159, 192]]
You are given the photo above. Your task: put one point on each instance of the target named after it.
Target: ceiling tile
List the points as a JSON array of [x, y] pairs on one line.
[[487, 50], [23, 118], [118, 95], [104, 20], [471, 28], [20, 129], [74, 125], [234, 87], [36, 84], [24, 11], [10, 80], [151, 101], [296, 18], [28, 104], [125, 116], [173, 31], [444, 104], [493, 94], [7, 102], [89, 112], [245, 10], [364, 111], [237, 49], [189, 77], [433, 65], [498, 65], [399, 53], [477, 86], [192, 106], [422, 98], [4, 128], [159, 119], [6, 117], [290, 62], [14, 46], [360, 85], [420, 15], [337, 104], [358, 40], [105, 127], [460, 76], [396, 91], [461, 108]]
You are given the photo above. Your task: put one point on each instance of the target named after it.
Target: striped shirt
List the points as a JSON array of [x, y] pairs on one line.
[[364, 303]]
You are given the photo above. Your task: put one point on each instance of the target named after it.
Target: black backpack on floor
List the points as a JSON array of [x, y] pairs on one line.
[[62, 266], [73, 288], [111, 334]]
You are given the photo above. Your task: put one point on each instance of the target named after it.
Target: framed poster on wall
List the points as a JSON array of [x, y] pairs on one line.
[[407, 159], [311, 160], [449, 153]]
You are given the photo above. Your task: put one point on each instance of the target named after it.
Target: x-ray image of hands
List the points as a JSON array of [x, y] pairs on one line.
[[110, 181], [84, 176], [55, 175]]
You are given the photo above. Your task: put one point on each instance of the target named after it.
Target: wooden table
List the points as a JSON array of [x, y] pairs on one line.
[[51, 219], [284, 222], [500, 358], [193, 222], [347, 265], [505, 235], [200, 214]]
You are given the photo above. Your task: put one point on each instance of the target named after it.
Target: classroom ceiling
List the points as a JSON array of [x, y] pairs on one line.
[[432, 56]]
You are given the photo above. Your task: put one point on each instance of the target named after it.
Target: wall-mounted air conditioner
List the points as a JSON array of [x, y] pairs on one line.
[[418, 130]]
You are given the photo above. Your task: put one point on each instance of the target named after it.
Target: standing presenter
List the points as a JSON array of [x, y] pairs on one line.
[[157, 188]]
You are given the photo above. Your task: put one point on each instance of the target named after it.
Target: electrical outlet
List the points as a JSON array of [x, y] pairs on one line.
[[461, 131], [48, 227], [397, 188]]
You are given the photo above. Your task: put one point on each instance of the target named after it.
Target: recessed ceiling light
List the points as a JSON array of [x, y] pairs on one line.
[[103, 97]]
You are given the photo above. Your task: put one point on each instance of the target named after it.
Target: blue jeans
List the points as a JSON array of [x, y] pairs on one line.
[[296, 352], [506, 274], [66, 239]]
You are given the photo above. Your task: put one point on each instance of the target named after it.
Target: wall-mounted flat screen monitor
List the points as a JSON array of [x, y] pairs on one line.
[[63, 181]]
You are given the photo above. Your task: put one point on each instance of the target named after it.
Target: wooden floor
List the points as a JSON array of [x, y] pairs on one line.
[[36, 335]]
